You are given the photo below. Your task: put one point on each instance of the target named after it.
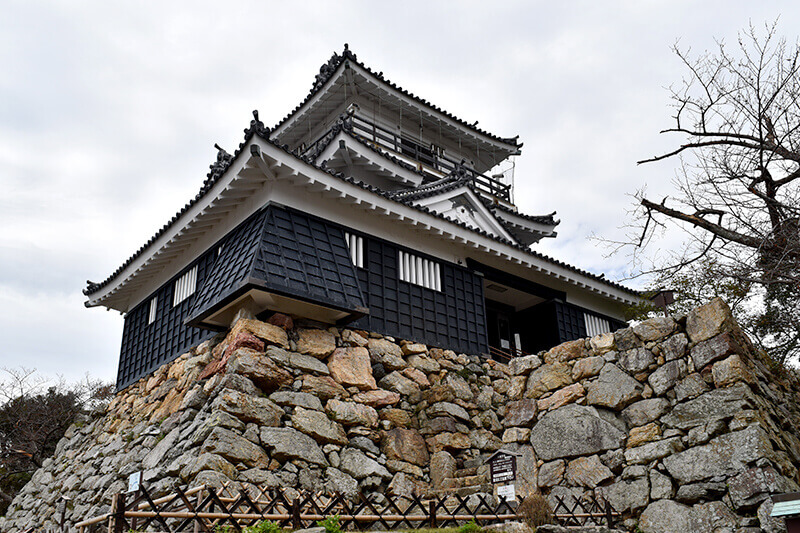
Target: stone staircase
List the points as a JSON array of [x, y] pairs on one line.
[[466, 481]]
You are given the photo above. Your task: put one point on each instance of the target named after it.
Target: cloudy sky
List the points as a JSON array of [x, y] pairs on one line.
[[109, 113]]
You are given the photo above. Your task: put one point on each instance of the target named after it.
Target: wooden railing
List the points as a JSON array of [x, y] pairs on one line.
[[233, 507], [207, 509], [505, 355], [430, 161]]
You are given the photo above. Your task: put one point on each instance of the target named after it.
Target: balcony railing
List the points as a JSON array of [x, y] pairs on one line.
[[431, 161]]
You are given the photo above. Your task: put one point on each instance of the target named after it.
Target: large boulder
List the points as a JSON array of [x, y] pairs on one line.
[[667, 516], [522, 366], [352, 413], [397, 382], [655, 328], [318, 343], [613, 389], [587, 472], [709, 320], [714, 349], [713, 405], [269, 333], [443, 466], [749, 488], [351, 367], [645, 411], [727, 455], [636, 360], [666, 376], [302, 362], [565, 352], [626, 494], [358, 465], [569, 394], [234, 448], [520, 413], [319, 426], [448, 409], [377, 398], [572, 431], [246, 408], [546, 378], [261, 370], [296, 399], [324, 387], [286, 444], [405, 445]]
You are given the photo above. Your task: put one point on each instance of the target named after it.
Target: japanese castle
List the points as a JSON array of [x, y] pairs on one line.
[[368, 206]]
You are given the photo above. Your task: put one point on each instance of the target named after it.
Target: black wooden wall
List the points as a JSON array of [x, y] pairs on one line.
[[145, 347], [452, 318]]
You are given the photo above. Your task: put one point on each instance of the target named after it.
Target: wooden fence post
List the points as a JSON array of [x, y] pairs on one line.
[[118, 513], [609, 517], [432, 513], [296, 513]]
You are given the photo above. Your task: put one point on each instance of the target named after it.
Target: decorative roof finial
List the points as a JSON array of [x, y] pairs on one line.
[[257, 127], [346, 47]]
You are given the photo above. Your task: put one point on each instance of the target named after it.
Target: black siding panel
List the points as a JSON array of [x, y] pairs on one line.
[[231, 268], [452, 318], [145, 347], [307, 257], [571, 324]]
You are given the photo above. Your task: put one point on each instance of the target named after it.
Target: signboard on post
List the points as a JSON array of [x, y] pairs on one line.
[[133, 481], [507, 492], [502, 467]]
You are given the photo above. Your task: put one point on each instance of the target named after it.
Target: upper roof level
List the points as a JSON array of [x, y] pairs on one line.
[[410, 123]]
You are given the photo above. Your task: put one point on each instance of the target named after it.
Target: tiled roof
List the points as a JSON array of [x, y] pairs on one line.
[[541, 219], [446, 184], [257, 128], [218, 168], [327, 70]]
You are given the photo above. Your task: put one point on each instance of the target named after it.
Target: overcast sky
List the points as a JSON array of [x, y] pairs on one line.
[[109, 115]]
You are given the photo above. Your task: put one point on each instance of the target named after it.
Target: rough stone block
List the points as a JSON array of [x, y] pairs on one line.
[[709, 320], [546, 378], [406, 445], [587, 433], [351, 367], [613, 389], [318, 343]]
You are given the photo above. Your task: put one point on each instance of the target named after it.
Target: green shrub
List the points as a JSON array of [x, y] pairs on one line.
[[265, 526], [331, 524], [535, 510], [470, 527]]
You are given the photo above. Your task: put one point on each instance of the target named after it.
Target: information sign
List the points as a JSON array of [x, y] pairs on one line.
[[133, 481], [507, 492], [503, 467]]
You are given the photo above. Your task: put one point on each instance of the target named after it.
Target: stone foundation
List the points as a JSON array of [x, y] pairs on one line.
[[680, 424]]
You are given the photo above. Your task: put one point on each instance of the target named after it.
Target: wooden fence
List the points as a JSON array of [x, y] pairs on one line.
[[209, 509]]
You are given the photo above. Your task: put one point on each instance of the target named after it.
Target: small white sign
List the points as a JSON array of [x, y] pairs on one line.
[[133, 481], [508, 492]]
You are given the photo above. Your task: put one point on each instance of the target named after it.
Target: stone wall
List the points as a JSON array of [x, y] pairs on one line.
[[679, 423]]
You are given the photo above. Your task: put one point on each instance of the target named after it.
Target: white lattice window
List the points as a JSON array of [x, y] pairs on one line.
[[151, 317], [595, 325], [185, 286], [419, 271], [356, 246]]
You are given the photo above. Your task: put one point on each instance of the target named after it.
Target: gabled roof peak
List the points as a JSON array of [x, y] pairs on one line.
[[328, 69]]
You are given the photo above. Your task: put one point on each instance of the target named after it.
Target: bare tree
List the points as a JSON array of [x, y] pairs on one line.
[[738, 182], [34, 415]]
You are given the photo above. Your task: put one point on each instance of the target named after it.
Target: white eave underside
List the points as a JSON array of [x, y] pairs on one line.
[[337, 90], [249, 173], [343, 146]]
